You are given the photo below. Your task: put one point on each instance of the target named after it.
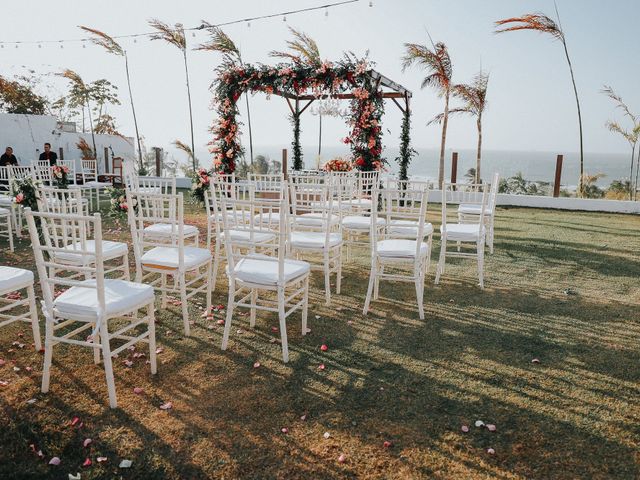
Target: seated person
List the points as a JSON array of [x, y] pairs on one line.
[[8, 158], [49, 155]]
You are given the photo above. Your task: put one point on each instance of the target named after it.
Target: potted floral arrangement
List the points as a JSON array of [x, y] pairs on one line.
[[338, 165], [60, 176], [118, 206], [26, 192], [200, 183]]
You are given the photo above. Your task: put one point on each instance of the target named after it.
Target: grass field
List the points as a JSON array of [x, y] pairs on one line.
[[562, 287]]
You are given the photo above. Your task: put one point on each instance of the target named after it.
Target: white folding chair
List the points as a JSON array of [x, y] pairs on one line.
[[469, 212], [403, 247], [93, 303], [5, 225], [315, 229], [157, 258], [91, 183], [267, 187], [71, 176], [251, 273], [12, 281], [42, 173], [471, 235]]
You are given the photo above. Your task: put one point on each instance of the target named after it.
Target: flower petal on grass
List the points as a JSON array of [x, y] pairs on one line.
[[535, 360], [387, 444], [125, 464], [87, 462], [479, 423], [166, 406], [256, 365], [326, 435], [77, 476], [138, 390], [491, 451], [101, 459], [87, 442], [464, 428], [491, 427], [321, 366], [284, 430], [324, 348], [55, 461], [342, 458]]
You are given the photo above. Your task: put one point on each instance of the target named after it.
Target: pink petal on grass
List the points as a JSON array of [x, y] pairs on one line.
[[303, 417], [128, 363], [256, 365], [87, 462], [75, 421], [321, 366], [101, 459], [342, 458], [87, 442], [159, 350], [54, 461], [491, 427], [2, 362], [535, 360], [324, 348], [326, 435], [166, 406], [479, 423], [274, 329], [220, 322], [464, 428], [138, 390], [387, 444], [284, 430], [491, 451]]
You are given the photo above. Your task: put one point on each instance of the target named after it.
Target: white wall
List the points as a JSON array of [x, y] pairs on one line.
[[27, 134]]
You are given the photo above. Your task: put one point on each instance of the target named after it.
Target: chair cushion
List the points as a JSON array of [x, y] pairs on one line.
[[359, 202], [315, 219], [263, 270], [12, 278], [360, 222], [314, 239], [164, 230], [96, 184], [168, 257], [272, 218], [408, 228], [120, 297], [244, 236], [4, 211], [400, 248], [217, 217], [463, 232], [473, 209], [110, 250]]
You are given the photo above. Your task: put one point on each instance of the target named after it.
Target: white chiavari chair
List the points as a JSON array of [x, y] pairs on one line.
[[251, 273], [12, 281], [469, 212], [91, 183], [94, 302], [18, 172], [7, 207], [472, 235], [316, 230], [71, 176], [402, 248], [157, 258]]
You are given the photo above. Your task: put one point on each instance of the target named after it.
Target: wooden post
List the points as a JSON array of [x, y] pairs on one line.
[[158, 161], [61, 156], [106, 159], [454, 167], [284, 162], [556, 183]]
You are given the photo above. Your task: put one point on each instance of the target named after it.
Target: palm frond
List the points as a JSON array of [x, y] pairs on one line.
[[474, 95], [452, 111], [180, 145], [609, 92], [173, 35], [531, 21], [72, 76], [437, 62], [304, 47], [103, 40]]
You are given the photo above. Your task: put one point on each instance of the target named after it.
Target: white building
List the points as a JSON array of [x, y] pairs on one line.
[[27, 134]]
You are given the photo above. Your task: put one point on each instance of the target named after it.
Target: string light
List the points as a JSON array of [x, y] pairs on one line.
[[371, 3], [200, 27]]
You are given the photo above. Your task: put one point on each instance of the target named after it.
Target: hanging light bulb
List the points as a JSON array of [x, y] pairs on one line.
[[39, 45], [248, 24], [370, 3], [1, 45], [16, 45], [326, 12], [284, 18], [193, 34], [84, 44], [61, 46]]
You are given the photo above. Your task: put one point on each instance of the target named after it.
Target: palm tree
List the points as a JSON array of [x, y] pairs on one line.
[[438, 65], [110, 45], [79, 96], [180, 145], [222, 43], [541, 23], [175, 36], [304, 49], [631, 137]]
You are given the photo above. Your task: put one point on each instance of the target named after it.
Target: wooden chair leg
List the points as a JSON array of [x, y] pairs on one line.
[[372, 279], [183, 302], [254, 300], [152, 338], [227, 323], [283, 325], [305, 306], [327, 279], [48, 354], [108, 364], [33, 312]]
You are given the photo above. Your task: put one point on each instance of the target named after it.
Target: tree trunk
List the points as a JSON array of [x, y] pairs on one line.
[[193, 147], [635, 189], [246, 97], [633, 156], [93, 137], [479, 154], [133, 110], [320, 136], [575, 91], [443, 141]]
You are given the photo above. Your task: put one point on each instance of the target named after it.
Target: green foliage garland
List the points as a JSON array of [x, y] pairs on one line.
[[406, 151]]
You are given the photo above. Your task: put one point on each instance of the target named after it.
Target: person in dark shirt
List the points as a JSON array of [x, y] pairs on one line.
[[49, 155], [8, 158]]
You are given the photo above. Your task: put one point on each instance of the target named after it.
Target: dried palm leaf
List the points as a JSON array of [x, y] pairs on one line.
[[173, 35], [105, 41], [304, 49], [531, 21]]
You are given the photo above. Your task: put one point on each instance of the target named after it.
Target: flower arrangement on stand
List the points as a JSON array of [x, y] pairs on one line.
[[118, 202], [26, 192], [60, 176], [338, 165], [200, 184], [291, 80]]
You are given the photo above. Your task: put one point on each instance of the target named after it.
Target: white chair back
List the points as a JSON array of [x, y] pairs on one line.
[[18, 172], [71, 166], [460, 193], [60, 200], [89, 170]]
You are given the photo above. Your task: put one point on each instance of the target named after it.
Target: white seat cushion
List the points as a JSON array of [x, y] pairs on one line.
[[263, 270], [400, 248], [165, 229], [4, 211], [462, 232], [14, 278], [314, 239], [315, 219], [473, 209], [244, 236], [96, 184], [408, 228], [360, 222], [168, 257], [110, 250], [244, 215], [120, 297], [272, 218], [359, 202]]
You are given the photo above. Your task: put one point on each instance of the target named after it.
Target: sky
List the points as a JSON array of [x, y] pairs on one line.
[[531, 104]]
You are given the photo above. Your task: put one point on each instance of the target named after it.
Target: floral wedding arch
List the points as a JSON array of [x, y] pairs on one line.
[[349, 79]]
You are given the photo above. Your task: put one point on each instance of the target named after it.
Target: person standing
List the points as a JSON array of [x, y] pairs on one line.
[[52, 157], [8, 158]]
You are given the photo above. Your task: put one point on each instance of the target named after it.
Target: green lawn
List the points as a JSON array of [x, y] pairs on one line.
[[562, 287]]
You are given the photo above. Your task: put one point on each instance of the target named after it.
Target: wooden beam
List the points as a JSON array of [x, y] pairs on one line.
[[306, 106], [399, 106], [290, 106]]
